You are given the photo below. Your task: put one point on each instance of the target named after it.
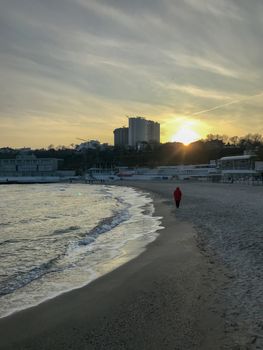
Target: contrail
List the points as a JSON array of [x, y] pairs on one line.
[[228, 104]]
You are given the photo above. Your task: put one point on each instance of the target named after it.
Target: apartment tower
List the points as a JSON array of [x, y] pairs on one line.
[[121, 137], [142, 130]]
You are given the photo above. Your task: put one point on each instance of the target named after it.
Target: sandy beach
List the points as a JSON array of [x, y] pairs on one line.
[[197, 286]]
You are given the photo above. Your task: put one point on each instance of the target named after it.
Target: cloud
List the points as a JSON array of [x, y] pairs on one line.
[[224, 8], [246, 98], [89, 62], [206, 65]]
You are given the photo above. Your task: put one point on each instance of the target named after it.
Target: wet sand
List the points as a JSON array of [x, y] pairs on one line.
[[170, 297]]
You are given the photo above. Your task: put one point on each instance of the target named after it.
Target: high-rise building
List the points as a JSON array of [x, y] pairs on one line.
[[121, 137], [153, 131], [137, 131], [142, 130]]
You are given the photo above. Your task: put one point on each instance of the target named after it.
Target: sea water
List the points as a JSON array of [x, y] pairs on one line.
[[58, 237]]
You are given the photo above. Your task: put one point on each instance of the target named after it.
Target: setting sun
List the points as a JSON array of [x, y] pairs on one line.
[[186, 135]]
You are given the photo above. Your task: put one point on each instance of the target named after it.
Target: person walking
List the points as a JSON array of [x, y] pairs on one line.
[[177, 197]]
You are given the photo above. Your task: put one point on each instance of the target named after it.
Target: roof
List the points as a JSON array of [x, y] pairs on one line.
[[244, 172], [237, 157]]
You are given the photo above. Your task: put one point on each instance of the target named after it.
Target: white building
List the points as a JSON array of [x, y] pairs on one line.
[[186, 172], [238, 168], [28, 165], [205, 172], [142, 130], [27, 168]]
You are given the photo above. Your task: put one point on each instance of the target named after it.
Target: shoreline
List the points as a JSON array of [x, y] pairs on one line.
[[167, 297], [91, 247]]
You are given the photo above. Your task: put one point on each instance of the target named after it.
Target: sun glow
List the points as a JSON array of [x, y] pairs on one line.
[[186, 135]]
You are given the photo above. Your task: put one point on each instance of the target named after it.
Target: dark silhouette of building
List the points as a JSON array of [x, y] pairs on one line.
[[121, 137]]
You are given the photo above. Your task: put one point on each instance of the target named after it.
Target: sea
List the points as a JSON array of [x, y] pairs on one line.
[[59, 237]]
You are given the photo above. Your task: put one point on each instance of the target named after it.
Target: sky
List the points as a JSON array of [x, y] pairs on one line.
[[74, 69]]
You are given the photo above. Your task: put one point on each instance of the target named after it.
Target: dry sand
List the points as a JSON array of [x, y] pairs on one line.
[[183, 292]]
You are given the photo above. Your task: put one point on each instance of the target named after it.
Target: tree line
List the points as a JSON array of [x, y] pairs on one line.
[[151, 155]]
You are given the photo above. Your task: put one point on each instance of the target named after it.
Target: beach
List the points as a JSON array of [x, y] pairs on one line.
[[197, 286]]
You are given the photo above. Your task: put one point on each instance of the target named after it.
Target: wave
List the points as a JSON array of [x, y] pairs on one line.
[[8, 241], [66, 230], [72, 247], [21, 279], [105, 225], [69, 247], [5, 223]]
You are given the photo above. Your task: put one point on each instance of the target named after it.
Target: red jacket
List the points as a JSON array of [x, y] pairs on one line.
[[177, 194]]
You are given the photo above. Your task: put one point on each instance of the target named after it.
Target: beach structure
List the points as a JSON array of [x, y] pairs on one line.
[[201, 172], [101, 175], [26, 167], [239, 168], [227, 169], [26, 164], [204, 172]]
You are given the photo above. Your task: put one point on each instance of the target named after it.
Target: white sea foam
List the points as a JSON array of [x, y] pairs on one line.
[[52, 241]]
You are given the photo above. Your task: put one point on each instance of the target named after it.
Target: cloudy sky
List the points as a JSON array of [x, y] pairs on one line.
[[76, 68]]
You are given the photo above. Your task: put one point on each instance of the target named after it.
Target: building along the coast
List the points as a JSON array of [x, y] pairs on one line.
[[26, 164], [205, 172], [243, 167], [137, 131], [228, 169], [202, 172], [142, 130], [121, 137], [153, 129]]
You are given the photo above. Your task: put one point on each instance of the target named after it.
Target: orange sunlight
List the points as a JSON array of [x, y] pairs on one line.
[[186, 135]]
